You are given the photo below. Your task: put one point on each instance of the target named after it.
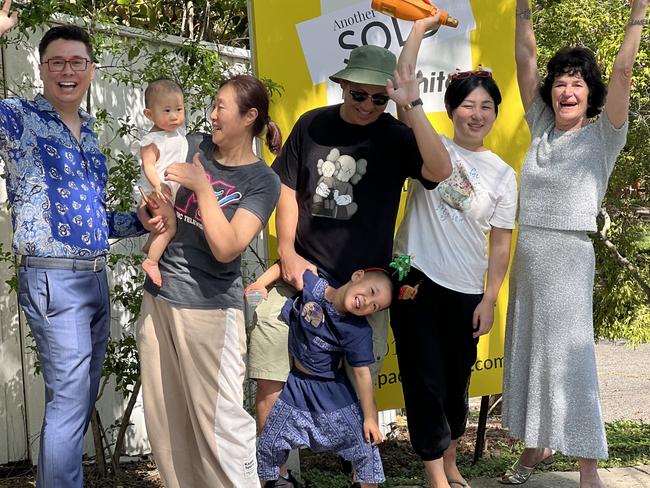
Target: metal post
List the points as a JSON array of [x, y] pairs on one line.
[[480, 431]]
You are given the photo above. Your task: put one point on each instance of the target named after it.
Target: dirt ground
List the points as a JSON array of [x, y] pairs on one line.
[[624, 375]]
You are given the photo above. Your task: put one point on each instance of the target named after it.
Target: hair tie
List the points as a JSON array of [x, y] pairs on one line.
[[377, 269]]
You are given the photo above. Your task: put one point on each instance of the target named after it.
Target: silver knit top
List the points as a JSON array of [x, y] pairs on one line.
[[565, 174]]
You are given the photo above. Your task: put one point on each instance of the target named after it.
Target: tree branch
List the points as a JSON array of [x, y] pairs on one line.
[[621, 260], [206, 22]]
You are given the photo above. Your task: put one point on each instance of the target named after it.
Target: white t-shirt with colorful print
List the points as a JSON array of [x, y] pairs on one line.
[[445, 229]]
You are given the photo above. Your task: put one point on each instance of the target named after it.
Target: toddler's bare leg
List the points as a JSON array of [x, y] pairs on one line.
[[158, 242]]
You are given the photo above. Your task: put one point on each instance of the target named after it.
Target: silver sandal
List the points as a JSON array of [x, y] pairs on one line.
[[518, 474]]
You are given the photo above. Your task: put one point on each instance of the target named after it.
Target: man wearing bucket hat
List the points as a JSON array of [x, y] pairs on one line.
[[342, 171]]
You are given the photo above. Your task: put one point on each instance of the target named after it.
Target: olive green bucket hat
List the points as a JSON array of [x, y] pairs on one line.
[[368, 65]]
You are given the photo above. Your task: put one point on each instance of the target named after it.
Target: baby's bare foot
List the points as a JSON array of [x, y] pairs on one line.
[[151, 268]]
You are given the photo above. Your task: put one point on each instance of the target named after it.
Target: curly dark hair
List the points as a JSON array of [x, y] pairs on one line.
[[571, 61]]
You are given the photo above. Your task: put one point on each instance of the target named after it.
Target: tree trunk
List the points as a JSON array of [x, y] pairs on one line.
[[206, 22], [183, 20], [99, 444], [190, 19], [124, 424]]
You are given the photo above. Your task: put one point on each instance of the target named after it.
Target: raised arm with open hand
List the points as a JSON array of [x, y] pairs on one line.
[[620, 82], [7, 20], [526, 54], [437, 164], [407, 88]]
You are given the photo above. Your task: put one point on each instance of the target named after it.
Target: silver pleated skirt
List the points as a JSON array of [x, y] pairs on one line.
[[550, 382]]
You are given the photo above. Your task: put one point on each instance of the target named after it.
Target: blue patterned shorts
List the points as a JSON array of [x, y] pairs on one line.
[[340, 430]]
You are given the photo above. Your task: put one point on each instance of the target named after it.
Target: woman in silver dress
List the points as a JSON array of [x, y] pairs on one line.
[[551, 398]]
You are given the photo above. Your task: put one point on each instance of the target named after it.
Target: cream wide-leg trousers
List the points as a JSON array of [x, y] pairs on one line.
[[192, 367]]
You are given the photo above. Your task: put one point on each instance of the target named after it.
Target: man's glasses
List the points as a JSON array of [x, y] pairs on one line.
[[77, 64], [481, 72], [361, 96]]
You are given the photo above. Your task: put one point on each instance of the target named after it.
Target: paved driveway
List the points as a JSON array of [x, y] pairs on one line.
[[624, 375]]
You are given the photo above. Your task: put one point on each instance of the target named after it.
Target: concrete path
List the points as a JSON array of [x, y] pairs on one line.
[[624, 381], [638, 477]]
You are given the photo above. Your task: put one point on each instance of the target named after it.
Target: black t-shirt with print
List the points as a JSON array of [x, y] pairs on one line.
[[348, 180]]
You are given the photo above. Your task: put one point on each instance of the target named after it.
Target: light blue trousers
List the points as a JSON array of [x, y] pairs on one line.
[[68, 313]]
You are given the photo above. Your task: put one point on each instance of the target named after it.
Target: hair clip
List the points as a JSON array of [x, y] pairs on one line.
[[402, 266], [408, 292]]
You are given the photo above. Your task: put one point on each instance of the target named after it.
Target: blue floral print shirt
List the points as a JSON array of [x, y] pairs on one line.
[[56, 184]]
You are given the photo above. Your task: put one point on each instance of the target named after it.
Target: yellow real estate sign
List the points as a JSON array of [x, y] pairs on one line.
[[298, 44]]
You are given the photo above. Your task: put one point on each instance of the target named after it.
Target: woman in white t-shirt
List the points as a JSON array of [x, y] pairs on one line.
[[445, 231]]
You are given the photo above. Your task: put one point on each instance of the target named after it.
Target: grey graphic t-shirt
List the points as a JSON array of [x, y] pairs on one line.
[[192, 277]]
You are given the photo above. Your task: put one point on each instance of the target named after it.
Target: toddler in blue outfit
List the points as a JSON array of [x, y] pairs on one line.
[[318, 407]]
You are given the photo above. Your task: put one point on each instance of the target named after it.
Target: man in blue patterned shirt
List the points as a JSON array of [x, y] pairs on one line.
[[56, 177]]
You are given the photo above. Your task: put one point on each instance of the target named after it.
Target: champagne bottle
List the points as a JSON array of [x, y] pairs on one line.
[[412, 10]]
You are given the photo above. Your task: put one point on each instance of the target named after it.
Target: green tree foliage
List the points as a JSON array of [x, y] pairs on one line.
[[621, 307], [219, 21]]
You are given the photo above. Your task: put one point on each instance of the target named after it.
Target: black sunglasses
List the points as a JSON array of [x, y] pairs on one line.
[[377, 99]]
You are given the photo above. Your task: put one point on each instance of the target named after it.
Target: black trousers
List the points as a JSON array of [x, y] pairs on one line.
[[435, 353]]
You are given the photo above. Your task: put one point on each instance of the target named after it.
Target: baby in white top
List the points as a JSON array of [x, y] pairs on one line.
[[163, 145]]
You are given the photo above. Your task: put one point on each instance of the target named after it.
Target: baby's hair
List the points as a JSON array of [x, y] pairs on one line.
[[158, 87]]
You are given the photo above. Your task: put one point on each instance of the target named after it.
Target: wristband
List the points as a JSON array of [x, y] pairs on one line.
[[640, 22], [414, 103]]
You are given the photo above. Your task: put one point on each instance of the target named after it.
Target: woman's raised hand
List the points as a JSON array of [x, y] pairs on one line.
[[7, 20]]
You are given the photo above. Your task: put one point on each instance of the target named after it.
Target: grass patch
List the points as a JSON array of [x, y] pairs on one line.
[[643, 243], [629, 445]]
